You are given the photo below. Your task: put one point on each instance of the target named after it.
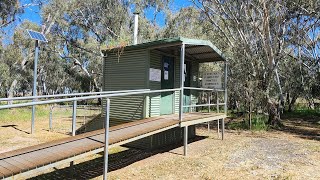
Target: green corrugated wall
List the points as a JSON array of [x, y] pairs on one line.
[[131, 71], [155, 62], [127, 72]]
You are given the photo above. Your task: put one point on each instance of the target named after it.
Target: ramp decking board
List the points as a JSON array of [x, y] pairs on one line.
[[29, 158]]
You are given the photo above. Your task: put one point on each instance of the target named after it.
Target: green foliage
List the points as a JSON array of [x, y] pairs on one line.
[[259, 123]]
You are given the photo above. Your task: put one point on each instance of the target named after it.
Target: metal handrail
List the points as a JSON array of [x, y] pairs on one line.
[[86, 98], [107, 95], [203, 89], [66, 95], [201, 105]]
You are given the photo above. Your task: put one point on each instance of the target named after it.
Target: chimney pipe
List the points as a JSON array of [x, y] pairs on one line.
[[135, 32]]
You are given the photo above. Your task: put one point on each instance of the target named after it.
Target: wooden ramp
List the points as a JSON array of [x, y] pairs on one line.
[[27, 161]]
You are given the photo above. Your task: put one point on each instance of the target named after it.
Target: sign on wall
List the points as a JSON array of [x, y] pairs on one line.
[[155, 75], [212, 80]]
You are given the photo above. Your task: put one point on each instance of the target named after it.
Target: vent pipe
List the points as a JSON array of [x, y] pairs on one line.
[[136, 24]]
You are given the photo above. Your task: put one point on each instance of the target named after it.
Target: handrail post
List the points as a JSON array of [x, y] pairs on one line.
[[50, 118], [74, 116], [209, 101], [182, 54], [106, 140], [225, 86], [217, 102]]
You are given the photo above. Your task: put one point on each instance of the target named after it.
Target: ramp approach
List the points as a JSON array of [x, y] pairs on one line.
[[25, 162]]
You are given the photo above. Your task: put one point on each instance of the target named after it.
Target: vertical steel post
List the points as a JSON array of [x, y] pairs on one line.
[[34, 90], [222, 131], [217, 102], [50, 118], [74, 117], [209, 101], [182, 53], [225, 86], [185, 141], [106, 140], [218, 127]]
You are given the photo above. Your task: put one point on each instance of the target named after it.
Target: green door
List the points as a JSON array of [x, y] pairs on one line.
[[186, 93], [167, 82]]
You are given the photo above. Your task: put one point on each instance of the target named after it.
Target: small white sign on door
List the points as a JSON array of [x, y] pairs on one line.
[[212, 80], [155, 75], [166, 75]]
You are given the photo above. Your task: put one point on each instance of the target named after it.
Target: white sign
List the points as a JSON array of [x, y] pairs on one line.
[[166, 75], [212, 80], [155, 75]]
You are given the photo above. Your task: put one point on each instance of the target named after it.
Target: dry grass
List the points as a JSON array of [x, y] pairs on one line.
[[15, 126]]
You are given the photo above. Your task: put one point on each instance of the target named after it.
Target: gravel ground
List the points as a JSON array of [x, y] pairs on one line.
[[293, 153]]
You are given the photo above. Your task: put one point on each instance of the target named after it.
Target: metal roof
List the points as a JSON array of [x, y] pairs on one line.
[[200, 50]]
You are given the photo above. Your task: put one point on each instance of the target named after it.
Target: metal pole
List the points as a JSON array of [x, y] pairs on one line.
[[50, 118], [222, 133], [185, 150], [182, 53], [217, 102], [209, 101], [225, 86], [106, 145], [218, 127], [34, 90], [135, 31], [74, 116]]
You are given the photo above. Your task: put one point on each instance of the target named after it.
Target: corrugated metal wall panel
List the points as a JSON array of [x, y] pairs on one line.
[[155, 99], [177, 85], [126, 73]]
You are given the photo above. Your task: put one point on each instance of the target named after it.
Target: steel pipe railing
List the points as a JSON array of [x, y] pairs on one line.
[[67, 95], [85, 98], [202, 105], [108, 95]]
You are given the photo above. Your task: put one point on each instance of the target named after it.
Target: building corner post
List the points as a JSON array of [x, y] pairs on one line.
[[182, 54], [225, 87]]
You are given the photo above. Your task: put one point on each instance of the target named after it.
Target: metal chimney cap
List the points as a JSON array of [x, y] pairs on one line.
[[136, 12]]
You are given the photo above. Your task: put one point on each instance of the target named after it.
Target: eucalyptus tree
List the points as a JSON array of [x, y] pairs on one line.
[[257, 33], [80, 28]]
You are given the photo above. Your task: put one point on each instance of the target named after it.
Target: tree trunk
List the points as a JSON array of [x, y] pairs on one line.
[[274, 115], [11, 90], [291, 104]]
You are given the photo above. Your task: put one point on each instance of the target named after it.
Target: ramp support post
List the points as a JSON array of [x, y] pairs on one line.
[[106, 137], [222, 134], [185, 150], [74, 116], [218, 127]]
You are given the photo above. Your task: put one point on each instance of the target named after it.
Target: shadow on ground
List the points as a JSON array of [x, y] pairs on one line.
[[94, 168], [14, 127], [303, 125]]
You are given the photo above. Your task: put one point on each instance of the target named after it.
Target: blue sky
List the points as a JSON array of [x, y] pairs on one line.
[[33, 13]]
